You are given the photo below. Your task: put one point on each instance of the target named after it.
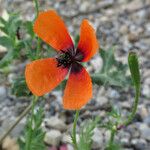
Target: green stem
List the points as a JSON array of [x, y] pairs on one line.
[[112, 136], [28, 144], [38, 40], [74, 130], [134, 108], [36, 7]]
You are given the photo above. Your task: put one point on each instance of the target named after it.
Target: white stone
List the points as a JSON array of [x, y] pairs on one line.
[[53, 137], [66, 138], [97, 139], [55, 123], [2, 93]]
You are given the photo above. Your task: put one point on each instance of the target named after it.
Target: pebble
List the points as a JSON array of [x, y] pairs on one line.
[[55, 123], [132, 37], [147, 120], [53, 137], [145, 131], [133, 130], [17, 130], [139, 144], [3, 93], [97, 139], [66, 138]]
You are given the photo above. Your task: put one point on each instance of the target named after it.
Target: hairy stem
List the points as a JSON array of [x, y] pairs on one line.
[[36, 7], [38, 40], [111, 141], [28, 144], [74, 130], [134, 108]]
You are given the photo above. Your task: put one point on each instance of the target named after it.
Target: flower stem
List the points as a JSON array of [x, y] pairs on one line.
[[36, 7], [38, 39], [16, 122], [74, 139], [28, 144], [134, 109], [111, 141]]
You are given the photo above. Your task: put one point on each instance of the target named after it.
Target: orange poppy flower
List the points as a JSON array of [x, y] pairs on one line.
[[44, 75]]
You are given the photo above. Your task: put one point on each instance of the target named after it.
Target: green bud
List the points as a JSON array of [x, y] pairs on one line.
[[134, 68]]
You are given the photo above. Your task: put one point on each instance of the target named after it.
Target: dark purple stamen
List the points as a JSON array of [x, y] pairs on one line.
[[66, 58]]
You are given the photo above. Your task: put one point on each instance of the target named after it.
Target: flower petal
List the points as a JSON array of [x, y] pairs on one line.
[[51, 29], [88, 44], [78, 90], [43, 75]]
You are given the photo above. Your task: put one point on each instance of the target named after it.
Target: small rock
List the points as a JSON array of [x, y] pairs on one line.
[[102, 100], [143, 111], [66, 138], [97, 139], [113, 94], [55, 123], [132, 37], [53, 137], [3, 93], [124, 29], [145, 131], [17, 130], [146, 90], [84, 6], [11, 77], [10, 144], [70, 147], [138, 144], [133, 130], [147, 120], [124, 141]]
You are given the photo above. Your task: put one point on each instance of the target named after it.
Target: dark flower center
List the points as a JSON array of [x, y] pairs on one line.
[[66, 58]]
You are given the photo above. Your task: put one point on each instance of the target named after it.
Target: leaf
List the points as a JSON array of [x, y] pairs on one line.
[[19, 87], [33, 129], [86, 133], [108, 59], [113, 72], [6, 42], [29, 27], [2, 21]]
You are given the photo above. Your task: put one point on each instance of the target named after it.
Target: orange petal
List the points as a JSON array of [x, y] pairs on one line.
[[78, 90], [43, 75], [51, 28], [88, 44]]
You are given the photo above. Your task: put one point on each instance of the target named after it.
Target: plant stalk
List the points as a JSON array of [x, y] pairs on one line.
[[134, 108], [74, 138], [38, 39], [111, 141], [31, 123]]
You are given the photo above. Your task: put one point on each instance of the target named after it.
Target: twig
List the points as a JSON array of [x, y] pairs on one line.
[[16, 122]]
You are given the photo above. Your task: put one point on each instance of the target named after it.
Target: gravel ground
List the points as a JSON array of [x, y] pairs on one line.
[[123, 23]]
